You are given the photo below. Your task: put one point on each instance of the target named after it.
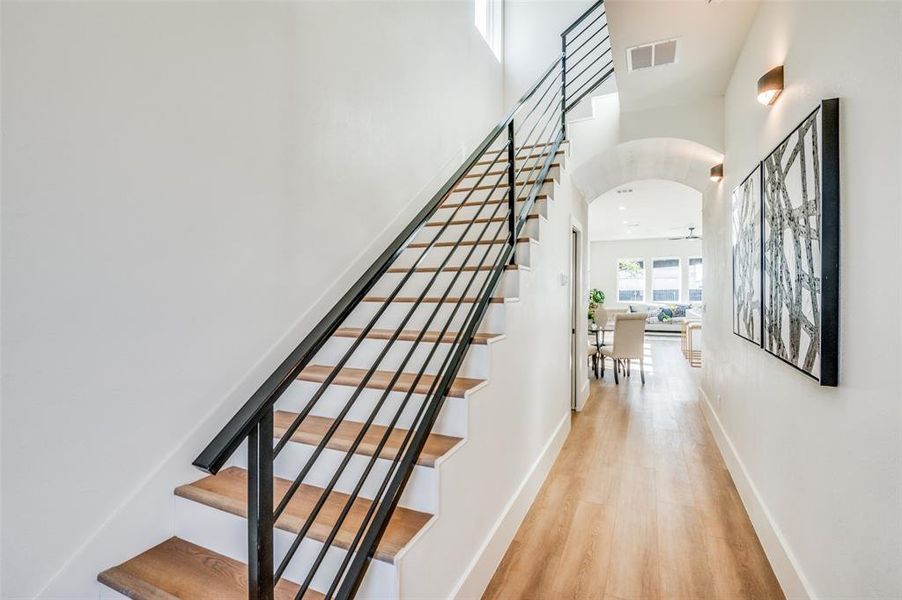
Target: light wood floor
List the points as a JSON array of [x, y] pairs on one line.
[[639, 503]]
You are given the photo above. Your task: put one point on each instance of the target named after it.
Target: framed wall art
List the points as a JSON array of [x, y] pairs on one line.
[[800, 244]]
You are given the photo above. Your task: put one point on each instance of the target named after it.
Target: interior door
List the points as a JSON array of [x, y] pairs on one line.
[[575, 348]]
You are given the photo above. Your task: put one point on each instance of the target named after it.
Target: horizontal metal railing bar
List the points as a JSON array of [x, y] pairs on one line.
[[571, 67], [583, 30], [592, 80], [589, 66], [582, 17], [573, 53], [524, 119], [589, 91]]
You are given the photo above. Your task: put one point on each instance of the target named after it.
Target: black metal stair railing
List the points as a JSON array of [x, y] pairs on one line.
[[523, 148]]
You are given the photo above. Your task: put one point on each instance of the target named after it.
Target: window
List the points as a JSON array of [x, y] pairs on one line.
[[665, 280], [489, 19], [630, 280], [695, 279]]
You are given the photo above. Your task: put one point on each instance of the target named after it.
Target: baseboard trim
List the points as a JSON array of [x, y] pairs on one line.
[[479, 572], [782, 560]]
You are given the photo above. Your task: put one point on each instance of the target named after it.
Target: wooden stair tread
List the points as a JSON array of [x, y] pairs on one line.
[[176, 569], [431, 299], [379, 381], [410, 335], [451, 243], [468, 268], [313, 429], [446, 204], [475, 221], [227, 491]]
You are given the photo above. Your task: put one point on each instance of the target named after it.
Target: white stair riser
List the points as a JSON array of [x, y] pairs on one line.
[[226, 534], [397, 312], [476, 363], [435, 284], [456, 213], [435, 257], [476, 231], [452, 419], [420, 493]]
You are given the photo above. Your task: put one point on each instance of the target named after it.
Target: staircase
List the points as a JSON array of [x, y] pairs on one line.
[[345, 473]]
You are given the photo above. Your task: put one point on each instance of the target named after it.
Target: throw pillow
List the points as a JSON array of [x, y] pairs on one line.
[[665, 314]]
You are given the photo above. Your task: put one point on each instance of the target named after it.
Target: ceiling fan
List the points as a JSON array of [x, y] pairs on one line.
[[691, 236]]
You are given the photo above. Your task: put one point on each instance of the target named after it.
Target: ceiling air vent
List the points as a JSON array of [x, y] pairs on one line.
[[652, 55]]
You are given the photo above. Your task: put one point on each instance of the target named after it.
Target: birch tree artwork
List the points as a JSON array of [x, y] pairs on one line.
[[792, 248], [746, 231]]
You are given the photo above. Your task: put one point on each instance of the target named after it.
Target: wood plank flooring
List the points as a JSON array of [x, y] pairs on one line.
[[639, 504]]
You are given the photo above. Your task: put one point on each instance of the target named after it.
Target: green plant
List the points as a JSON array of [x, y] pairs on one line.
[[596, 298]]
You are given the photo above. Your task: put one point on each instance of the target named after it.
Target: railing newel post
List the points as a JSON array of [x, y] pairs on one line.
[[564, 84], [511, 192], [260, 509]]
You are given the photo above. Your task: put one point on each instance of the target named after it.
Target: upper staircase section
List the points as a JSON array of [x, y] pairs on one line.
[[359, 428]]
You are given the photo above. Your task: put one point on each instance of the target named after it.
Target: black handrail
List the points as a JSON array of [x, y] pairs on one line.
[[522, 155]]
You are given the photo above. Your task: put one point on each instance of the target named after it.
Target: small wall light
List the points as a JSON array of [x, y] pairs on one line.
[[717, 172], [770, 85]]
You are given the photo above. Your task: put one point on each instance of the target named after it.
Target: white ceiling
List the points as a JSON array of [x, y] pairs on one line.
[[710, 36], [654, 208]]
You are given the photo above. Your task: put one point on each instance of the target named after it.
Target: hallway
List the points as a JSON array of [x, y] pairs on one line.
[[638, 504]]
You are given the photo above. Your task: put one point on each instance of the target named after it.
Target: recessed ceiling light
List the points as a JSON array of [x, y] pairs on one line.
[[625, 223], [621, 208]]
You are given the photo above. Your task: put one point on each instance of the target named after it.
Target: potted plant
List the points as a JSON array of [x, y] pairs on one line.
[[596, 299]]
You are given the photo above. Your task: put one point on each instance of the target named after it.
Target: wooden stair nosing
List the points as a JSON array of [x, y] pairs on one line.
[[480, 220], [313, 429], [435, 299], [349, 376], [447, 244], [227, 491], [176, 569], [410, 335], [455, 268]]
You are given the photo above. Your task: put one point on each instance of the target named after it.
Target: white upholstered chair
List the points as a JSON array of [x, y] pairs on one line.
[[629, 344]]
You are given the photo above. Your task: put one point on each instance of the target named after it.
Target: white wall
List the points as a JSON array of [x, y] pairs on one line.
[[187, 188], [603, 264], [820, 469]]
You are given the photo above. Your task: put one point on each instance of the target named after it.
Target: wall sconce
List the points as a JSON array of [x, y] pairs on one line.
[[770, 85], [717, 173]]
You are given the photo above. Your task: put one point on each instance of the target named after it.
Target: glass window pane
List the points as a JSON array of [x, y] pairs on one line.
[[665, 282], [695, 279], [630, 280]]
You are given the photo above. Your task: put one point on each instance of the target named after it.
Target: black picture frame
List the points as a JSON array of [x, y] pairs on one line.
[[755, 177], [822, 329]]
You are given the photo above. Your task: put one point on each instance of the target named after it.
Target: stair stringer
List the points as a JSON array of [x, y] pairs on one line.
[[516, 425]]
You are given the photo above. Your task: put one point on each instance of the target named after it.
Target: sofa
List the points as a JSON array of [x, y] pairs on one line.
[[653, 321]]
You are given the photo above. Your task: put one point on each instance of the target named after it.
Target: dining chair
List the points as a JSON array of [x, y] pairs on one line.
[[629, 344]]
